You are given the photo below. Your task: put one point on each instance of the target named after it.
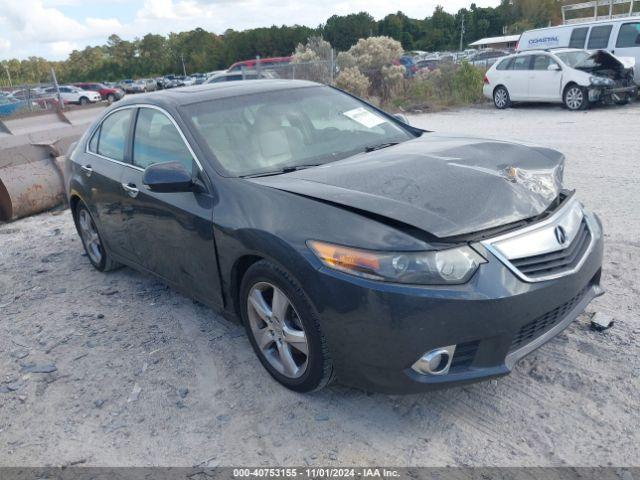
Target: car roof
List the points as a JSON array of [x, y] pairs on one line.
[[214, 91]]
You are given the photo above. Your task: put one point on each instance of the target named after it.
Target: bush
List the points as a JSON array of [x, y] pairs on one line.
[[353, 81], [448, 85]]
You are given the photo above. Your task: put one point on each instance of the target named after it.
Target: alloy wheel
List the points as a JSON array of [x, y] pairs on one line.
[[90, 236], [500, 98], [574, 98], [277, 330]]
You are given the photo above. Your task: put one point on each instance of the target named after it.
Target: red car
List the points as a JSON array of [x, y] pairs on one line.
[[264, 63], [107, 93]]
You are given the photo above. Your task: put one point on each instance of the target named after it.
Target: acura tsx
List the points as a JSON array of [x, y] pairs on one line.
[[350, 244]]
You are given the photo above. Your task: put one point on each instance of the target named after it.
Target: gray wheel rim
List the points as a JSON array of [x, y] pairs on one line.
[[90, 236], [574, 99], [501, 98], [277, 330]]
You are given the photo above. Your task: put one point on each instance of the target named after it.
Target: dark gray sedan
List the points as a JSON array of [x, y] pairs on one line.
[[350, 244]]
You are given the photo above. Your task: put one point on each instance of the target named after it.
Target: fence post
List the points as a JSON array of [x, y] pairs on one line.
[[55, 84], [332, 66]]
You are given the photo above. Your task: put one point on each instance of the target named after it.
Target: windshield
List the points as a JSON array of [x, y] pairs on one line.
[[271, 131], [573, 58]]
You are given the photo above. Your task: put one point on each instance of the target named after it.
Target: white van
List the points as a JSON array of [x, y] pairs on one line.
[[620, 37]]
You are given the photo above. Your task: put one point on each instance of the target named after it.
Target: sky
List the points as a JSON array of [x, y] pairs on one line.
[[53, 28]]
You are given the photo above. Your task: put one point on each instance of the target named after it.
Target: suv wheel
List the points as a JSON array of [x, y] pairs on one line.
[[576, 98], [111, 98], [84, 100], [91, 240], [501, 98], [283, 328]]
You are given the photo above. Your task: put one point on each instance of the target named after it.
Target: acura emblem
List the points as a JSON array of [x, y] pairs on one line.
[[561, 235]]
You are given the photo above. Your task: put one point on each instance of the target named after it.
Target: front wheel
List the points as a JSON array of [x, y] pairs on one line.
[[283, 328], [84, 101], [501, 98], [111, 98], [576, 98]]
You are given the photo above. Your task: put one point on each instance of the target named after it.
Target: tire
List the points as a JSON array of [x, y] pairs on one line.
[[576, 98], [501, 98], [91, 240], [272, 334], [111, 98], [83, 100]]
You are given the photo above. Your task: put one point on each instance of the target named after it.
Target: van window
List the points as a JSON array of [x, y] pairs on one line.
[[599, 37], [578, 37], [629, 35]]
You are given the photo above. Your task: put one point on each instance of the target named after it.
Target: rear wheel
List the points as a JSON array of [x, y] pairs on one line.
[[576, 98], [283, 328], [501, 98], [91, 240]]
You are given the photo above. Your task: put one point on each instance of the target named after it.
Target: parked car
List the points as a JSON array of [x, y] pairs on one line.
[[264, 63], [199, 78], [620, 37], [170, 81], [10, 105], [486, 58], [71, 94], [133, 86], [185, 81], [106, 93], [427, 64], [574, 77], [235, 76], [149, 84], [350, 244]]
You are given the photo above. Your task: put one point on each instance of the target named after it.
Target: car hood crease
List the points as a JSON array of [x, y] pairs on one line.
[[446, 186]]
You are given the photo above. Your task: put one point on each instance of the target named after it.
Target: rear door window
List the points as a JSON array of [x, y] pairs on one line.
[[599, 37], [521, 63], [578, 37], [113, 135], [629, 35]]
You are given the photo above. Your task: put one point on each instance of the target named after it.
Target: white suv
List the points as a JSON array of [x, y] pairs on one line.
[[574, 77]]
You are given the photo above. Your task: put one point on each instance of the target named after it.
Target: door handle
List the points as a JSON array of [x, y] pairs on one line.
[[131, 189], [87, 170]]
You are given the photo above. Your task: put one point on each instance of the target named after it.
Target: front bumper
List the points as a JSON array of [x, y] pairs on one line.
[[376, 331]]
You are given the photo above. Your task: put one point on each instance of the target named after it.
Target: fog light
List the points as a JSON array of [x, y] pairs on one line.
[[435, 362]]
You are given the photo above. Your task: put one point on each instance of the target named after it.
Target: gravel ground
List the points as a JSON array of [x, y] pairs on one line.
[[116, 369]]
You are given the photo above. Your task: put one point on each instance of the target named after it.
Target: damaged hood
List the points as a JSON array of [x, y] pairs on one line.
[[603, 61], [446, 186]]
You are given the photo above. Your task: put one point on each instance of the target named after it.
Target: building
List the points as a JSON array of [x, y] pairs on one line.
[[508, 42]]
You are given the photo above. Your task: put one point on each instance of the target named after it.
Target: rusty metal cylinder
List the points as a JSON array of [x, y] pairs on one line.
[[29, 188]]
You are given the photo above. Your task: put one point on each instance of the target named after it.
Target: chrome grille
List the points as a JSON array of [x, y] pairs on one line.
[[554, 262]]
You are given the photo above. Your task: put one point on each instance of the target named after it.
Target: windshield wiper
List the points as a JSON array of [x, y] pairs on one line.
[[373, 148], [288, 169]]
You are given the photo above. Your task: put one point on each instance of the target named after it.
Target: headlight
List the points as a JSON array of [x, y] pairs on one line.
[[600, 81], [443, 267]]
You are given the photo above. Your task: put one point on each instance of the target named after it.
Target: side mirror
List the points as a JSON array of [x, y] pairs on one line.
[[554, 67], [168, 177], [402, 118]]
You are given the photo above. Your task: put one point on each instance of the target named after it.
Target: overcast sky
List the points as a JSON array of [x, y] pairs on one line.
[[53, 28]]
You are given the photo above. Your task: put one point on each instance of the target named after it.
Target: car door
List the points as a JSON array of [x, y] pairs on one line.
[[101, 169], [628, 44], [545, 84], [517, 78], [170, 234]]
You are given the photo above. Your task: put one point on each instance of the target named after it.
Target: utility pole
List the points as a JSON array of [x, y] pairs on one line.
[[184, 70], [462, 34], [55, 84]]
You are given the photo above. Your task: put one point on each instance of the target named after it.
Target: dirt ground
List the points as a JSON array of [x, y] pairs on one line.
[[116, 369]]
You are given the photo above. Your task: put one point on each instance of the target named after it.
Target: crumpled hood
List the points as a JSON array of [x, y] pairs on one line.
[[446, 186]]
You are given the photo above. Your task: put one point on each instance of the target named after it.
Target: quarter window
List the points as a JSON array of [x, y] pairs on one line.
[[578, 37], [113, 135], [599, 37], [157, 140], [629, 35]]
